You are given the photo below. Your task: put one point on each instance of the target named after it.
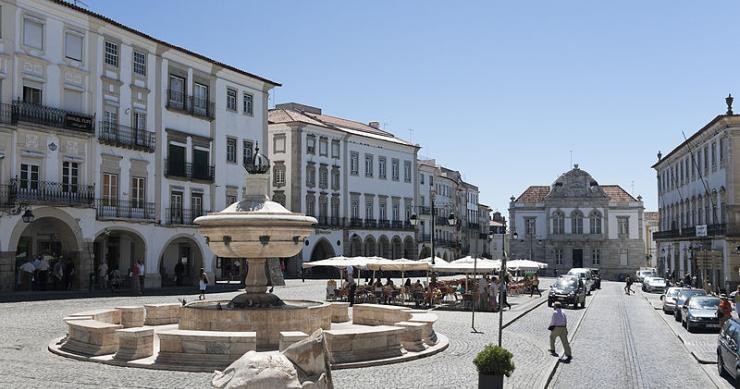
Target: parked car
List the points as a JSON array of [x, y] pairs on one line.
[[596, 277], [641, 274], [585, 276], [728, 355], [669, 298], [653, 284], [700, 312], [567, 290], [681, 300]]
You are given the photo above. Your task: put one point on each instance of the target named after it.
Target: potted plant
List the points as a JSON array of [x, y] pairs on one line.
[[493, 363]]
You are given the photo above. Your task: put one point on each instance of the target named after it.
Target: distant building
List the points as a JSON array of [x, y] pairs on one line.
[[497, 231], [697, 197], [651, 224], [575, 222]]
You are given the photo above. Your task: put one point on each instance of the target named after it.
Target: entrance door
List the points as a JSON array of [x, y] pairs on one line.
[[577, 257]]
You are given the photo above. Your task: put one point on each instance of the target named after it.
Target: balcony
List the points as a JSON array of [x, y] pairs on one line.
[[48, 116], [46, 192], [189, 170], [690, 232], [425, 210], [355, 222], [325, 221], [180, 216], [123, 136], [379, 224], [195, 106], [113, 209]]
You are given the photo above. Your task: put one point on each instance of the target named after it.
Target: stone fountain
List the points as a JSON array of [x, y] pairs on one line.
[[256, 229]]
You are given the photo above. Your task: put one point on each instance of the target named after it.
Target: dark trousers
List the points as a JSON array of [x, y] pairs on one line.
[[534, 288], [351, 296], [43, 279]]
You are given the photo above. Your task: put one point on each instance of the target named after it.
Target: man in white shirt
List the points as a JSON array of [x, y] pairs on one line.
[[103, 275], [27, 270]]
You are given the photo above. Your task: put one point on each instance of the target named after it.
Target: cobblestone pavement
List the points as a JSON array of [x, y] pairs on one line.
[[622, 343], [26, 328]]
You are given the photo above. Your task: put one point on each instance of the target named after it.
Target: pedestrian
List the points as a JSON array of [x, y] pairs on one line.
[[57, 274], [135, 280], [179, 271], [114, 278], [708, 287], [628, 285], [27, 270], [351, 291], [43, 273], [103, 275], [559, 329], [482, 294], [535, 286], [687, 280], [69, 272], [202, 284], [492, 295], [724, 311], [142, 272]]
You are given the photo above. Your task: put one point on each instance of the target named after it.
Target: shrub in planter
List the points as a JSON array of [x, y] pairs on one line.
[[493, 363]]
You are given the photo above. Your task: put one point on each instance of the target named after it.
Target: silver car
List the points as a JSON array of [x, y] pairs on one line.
[[653, 284], [700, 312], [669, 299]]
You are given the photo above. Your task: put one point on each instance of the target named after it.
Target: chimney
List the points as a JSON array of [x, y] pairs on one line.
[[375, 125]]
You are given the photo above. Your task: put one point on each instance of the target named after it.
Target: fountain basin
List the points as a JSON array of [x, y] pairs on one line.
[[295, 315]]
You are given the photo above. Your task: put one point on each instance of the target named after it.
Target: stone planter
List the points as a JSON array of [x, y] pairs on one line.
[[490, 381]]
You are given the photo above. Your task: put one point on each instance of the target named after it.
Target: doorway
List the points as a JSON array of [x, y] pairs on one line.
[[577, 257]]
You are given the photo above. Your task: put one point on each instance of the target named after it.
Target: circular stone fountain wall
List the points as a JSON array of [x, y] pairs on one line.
[[296, 315]]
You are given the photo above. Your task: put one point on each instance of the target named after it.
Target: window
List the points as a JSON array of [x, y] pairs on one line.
[[395, 174], [139, 121], [175, 163], [176, 93], [323, 147], [246, 152], [576, 223], [407, 171], [110, 189], [73, 46], [110, 121], [72, 100], [248, 104], [278, 171], [335, 206], [596, 256], [706, 160], [623, 226], [335, 177], [369, 212], [33, 34], [368, 165], [355, 207], [138, 192], [558, 223], [381, 210], [29, 177], [722, 152], [714, 156], [323, 177], [231, 199], [201, 164], [231, 99], [421, 201], [278, 143], [140, 63], [70, 176], [381, 167], [231, 150], [530, 226], [335, 148], [396, 210], [196, 204], [354, 165], [111, 54], [200, 99], [323, 206], [558, 254], [176, 207], [595, 223], [310, 175], [421, 179], [310, 144], [31, 95]]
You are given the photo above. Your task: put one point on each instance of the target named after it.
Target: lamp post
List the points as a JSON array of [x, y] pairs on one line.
[[503, 290]]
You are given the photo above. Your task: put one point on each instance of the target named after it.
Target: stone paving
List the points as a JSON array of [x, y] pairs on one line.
[[623, 344], [26, 328]]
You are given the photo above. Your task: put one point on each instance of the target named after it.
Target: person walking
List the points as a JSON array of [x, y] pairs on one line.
[[492, 295], [103, 275], [628, 285], [179, 272], [58, 274], [202, 284], [27, 270], [535, 286], [69, 272], [142, 271], [559, 329], [135, 280]]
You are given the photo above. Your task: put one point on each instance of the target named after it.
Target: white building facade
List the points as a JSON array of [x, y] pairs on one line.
[[358, 180], [696, 198], [115, 141], [576, 222]]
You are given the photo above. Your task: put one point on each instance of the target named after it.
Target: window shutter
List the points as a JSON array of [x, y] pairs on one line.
[[73, 46], [33, 34]]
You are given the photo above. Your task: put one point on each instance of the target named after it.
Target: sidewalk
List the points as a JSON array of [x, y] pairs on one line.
[[13, 297]]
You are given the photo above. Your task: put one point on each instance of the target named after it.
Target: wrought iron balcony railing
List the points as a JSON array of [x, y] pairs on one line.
[[123, 136], [123, 209], [174, 168], [46, 192], [690, 232], [196, 106], [49, 116], [183, 216]]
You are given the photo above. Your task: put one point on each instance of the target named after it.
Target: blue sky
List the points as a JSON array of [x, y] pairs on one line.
[[501, 91]]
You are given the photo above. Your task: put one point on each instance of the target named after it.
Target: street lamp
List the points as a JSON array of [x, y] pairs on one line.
[[503, 289]]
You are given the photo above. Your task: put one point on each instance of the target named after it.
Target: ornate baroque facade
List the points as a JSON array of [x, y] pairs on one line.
[[576, 222]]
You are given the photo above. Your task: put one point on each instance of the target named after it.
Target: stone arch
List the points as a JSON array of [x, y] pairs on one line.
[[322, 250], [425, 252], [119, 247], [384, 247], [558, 222], [181, 248], [576, 222], [409, 248], [355, 246], [44, 212], [371, 247], [396, 247]]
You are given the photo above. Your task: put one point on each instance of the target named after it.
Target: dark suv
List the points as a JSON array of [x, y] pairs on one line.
[[567, 290], [728, 357]]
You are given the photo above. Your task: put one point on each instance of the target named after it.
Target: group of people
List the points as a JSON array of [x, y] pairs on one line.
[[488, 291], [111, 277], [35, 274]]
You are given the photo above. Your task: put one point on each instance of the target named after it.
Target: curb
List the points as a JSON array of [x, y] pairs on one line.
[[526, 311], [680, 337], [553, 366]]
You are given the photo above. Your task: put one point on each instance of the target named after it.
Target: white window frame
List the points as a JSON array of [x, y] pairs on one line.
[[231, 99], [311, 144], [248, 103], [112, 53], [138, 192], [231, 149], [41, 24], [79, 36], [354, 163], [139, 67]]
